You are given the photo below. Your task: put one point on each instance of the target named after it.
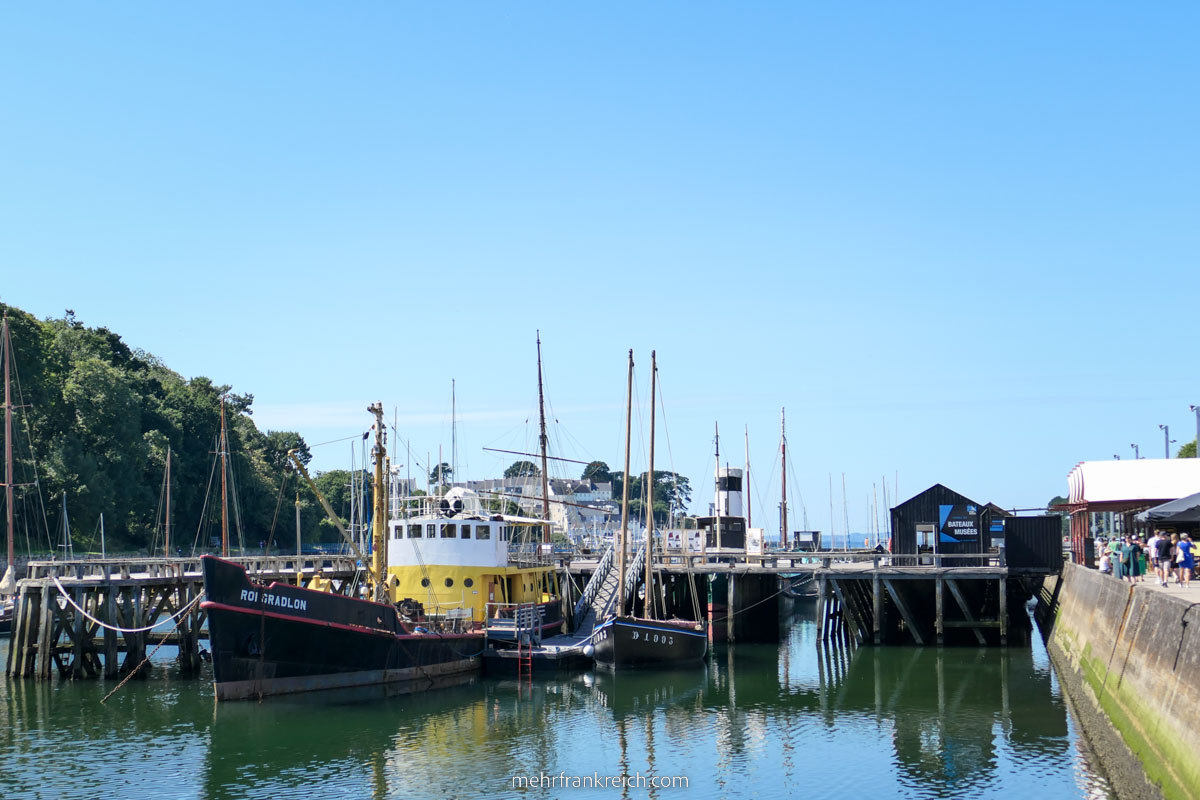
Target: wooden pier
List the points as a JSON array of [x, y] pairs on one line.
[[78, 618], [867, 597]]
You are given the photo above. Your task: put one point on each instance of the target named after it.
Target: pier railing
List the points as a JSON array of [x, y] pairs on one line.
[[167, 568]]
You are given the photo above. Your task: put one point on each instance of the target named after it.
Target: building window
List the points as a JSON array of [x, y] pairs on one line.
[[449, 531], [483, 531], [466, 531], [414, 531], [431, 531]]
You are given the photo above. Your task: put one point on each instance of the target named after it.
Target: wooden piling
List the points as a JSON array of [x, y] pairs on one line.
[[877, 608], [939, 611], [111, 667]]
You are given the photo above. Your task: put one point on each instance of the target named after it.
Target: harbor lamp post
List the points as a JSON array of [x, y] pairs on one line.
[[1136, 454], [1166, 440], [1197, 410], [1116, 457]]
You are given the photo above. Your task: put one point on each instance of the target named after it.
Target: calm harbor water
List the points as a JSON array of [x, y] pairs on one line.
[[757, 721]]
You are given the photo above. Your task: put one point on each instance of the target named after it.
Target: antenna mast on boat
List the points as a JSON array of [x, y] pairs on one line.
[[717, 482], [224, 496], [379, 511], [542, 439], [624, 544], [6, 342], [649, 610], [783, 524], [746, 483], [453, 432]]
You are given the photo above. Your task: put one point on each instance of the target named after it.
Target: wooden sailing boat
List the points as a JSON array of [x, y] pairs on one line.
[[626, 640]]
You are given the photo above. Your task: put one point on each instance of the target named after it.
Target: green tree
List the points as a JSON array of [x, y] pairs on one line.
[[441, 475], [597, 472], [1188, 450], [672, 493], [523, 469]]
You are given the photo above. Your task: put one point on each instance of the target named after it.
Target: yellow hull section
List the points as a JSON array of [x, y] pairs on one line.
[[442, 589]]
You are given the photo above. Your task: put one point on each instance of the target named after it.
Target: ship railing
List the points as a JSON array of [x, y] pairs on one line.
[[522, 620], [836, 559]]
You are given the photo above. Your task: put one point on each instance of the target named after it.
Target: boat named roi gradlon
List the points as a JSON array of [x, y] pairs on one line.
[[422, 624]]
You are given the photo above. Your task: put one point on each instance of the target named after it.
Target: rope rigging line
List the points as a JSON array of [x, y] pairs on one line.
[[177, 615], [204, 506], [32, 458]]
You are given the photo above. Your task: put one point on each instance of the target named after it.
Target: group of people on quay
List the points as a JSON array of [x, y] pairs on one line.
[[1165, 558]]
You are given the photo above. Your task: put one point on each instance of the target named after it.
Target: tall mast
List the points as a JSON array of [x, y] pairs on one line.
[[167, 537], [650, 499], [746, 482], [299, 572], [379, 511], [224, 496], [453, 431], [717, 481], [542, 440], [845, 512], [6, 342], [624, 542], [783, 524]]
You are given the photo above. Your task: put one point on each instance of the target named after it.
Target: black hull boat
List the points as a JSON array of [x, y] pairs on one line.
[[281, 639], [633, 642]]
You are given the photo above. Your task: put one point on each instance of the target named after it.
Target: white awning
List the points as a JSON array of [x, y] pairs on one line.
[[1143, 479]]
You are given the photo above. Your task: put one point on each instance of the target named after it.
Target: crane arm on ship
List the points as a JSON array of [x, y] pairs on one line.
[[333, 517]]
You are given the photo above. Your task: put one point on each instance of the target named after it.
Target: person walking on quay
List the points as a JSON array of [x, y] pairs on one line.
[[1185, 560], [1114, 551], [1152, 552], [1162, 556], [1172, 570], [1130, 558]]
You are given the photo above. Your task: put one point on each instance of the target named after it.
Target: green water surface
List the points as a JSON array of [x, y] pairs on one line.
[[788, 720]]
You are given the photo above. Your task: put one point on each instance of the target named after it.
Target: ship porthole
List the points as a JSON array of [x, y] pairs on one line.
[[449, 582], [425, 582], [469, 582]]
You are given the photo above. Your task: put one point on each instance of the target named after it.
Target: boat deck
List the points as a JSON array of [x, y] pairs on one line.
[[562, 652]]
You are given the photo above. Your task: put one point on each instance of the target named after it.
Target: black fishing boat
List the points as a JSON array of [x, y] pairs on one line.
[[276, 638], [632, 642], [270, 639]]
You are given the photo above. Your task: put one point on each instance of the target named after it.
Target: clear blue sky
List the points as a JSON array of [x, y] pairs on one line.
[[957, 241]]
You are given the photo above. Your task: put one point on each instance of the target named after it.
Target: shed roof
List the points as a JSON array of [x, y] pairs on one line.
[[1144, 481]]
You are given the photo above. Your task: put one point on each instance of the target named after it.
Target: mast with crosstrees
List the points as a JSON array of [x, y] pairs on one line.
[[623, 544], [783, 522], [650, 498], [543, 440], [6, 343]]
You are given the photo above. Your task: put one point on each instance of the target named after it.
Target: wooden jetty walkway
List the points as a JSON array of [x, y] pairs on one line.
[[867, 597], [78, 617]]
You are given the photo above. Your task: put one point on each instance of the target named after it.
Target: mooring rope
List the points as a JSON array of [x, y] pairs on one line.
[[146, 660], [177, 615]]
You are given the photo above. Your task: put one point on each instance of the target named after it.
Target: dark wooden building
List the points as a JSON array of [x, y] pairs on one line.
[[732, 532], [941, 520]]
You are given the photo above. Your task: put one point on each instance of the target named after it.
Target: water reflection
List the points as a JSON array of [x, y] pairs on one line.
[[756, 720]]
